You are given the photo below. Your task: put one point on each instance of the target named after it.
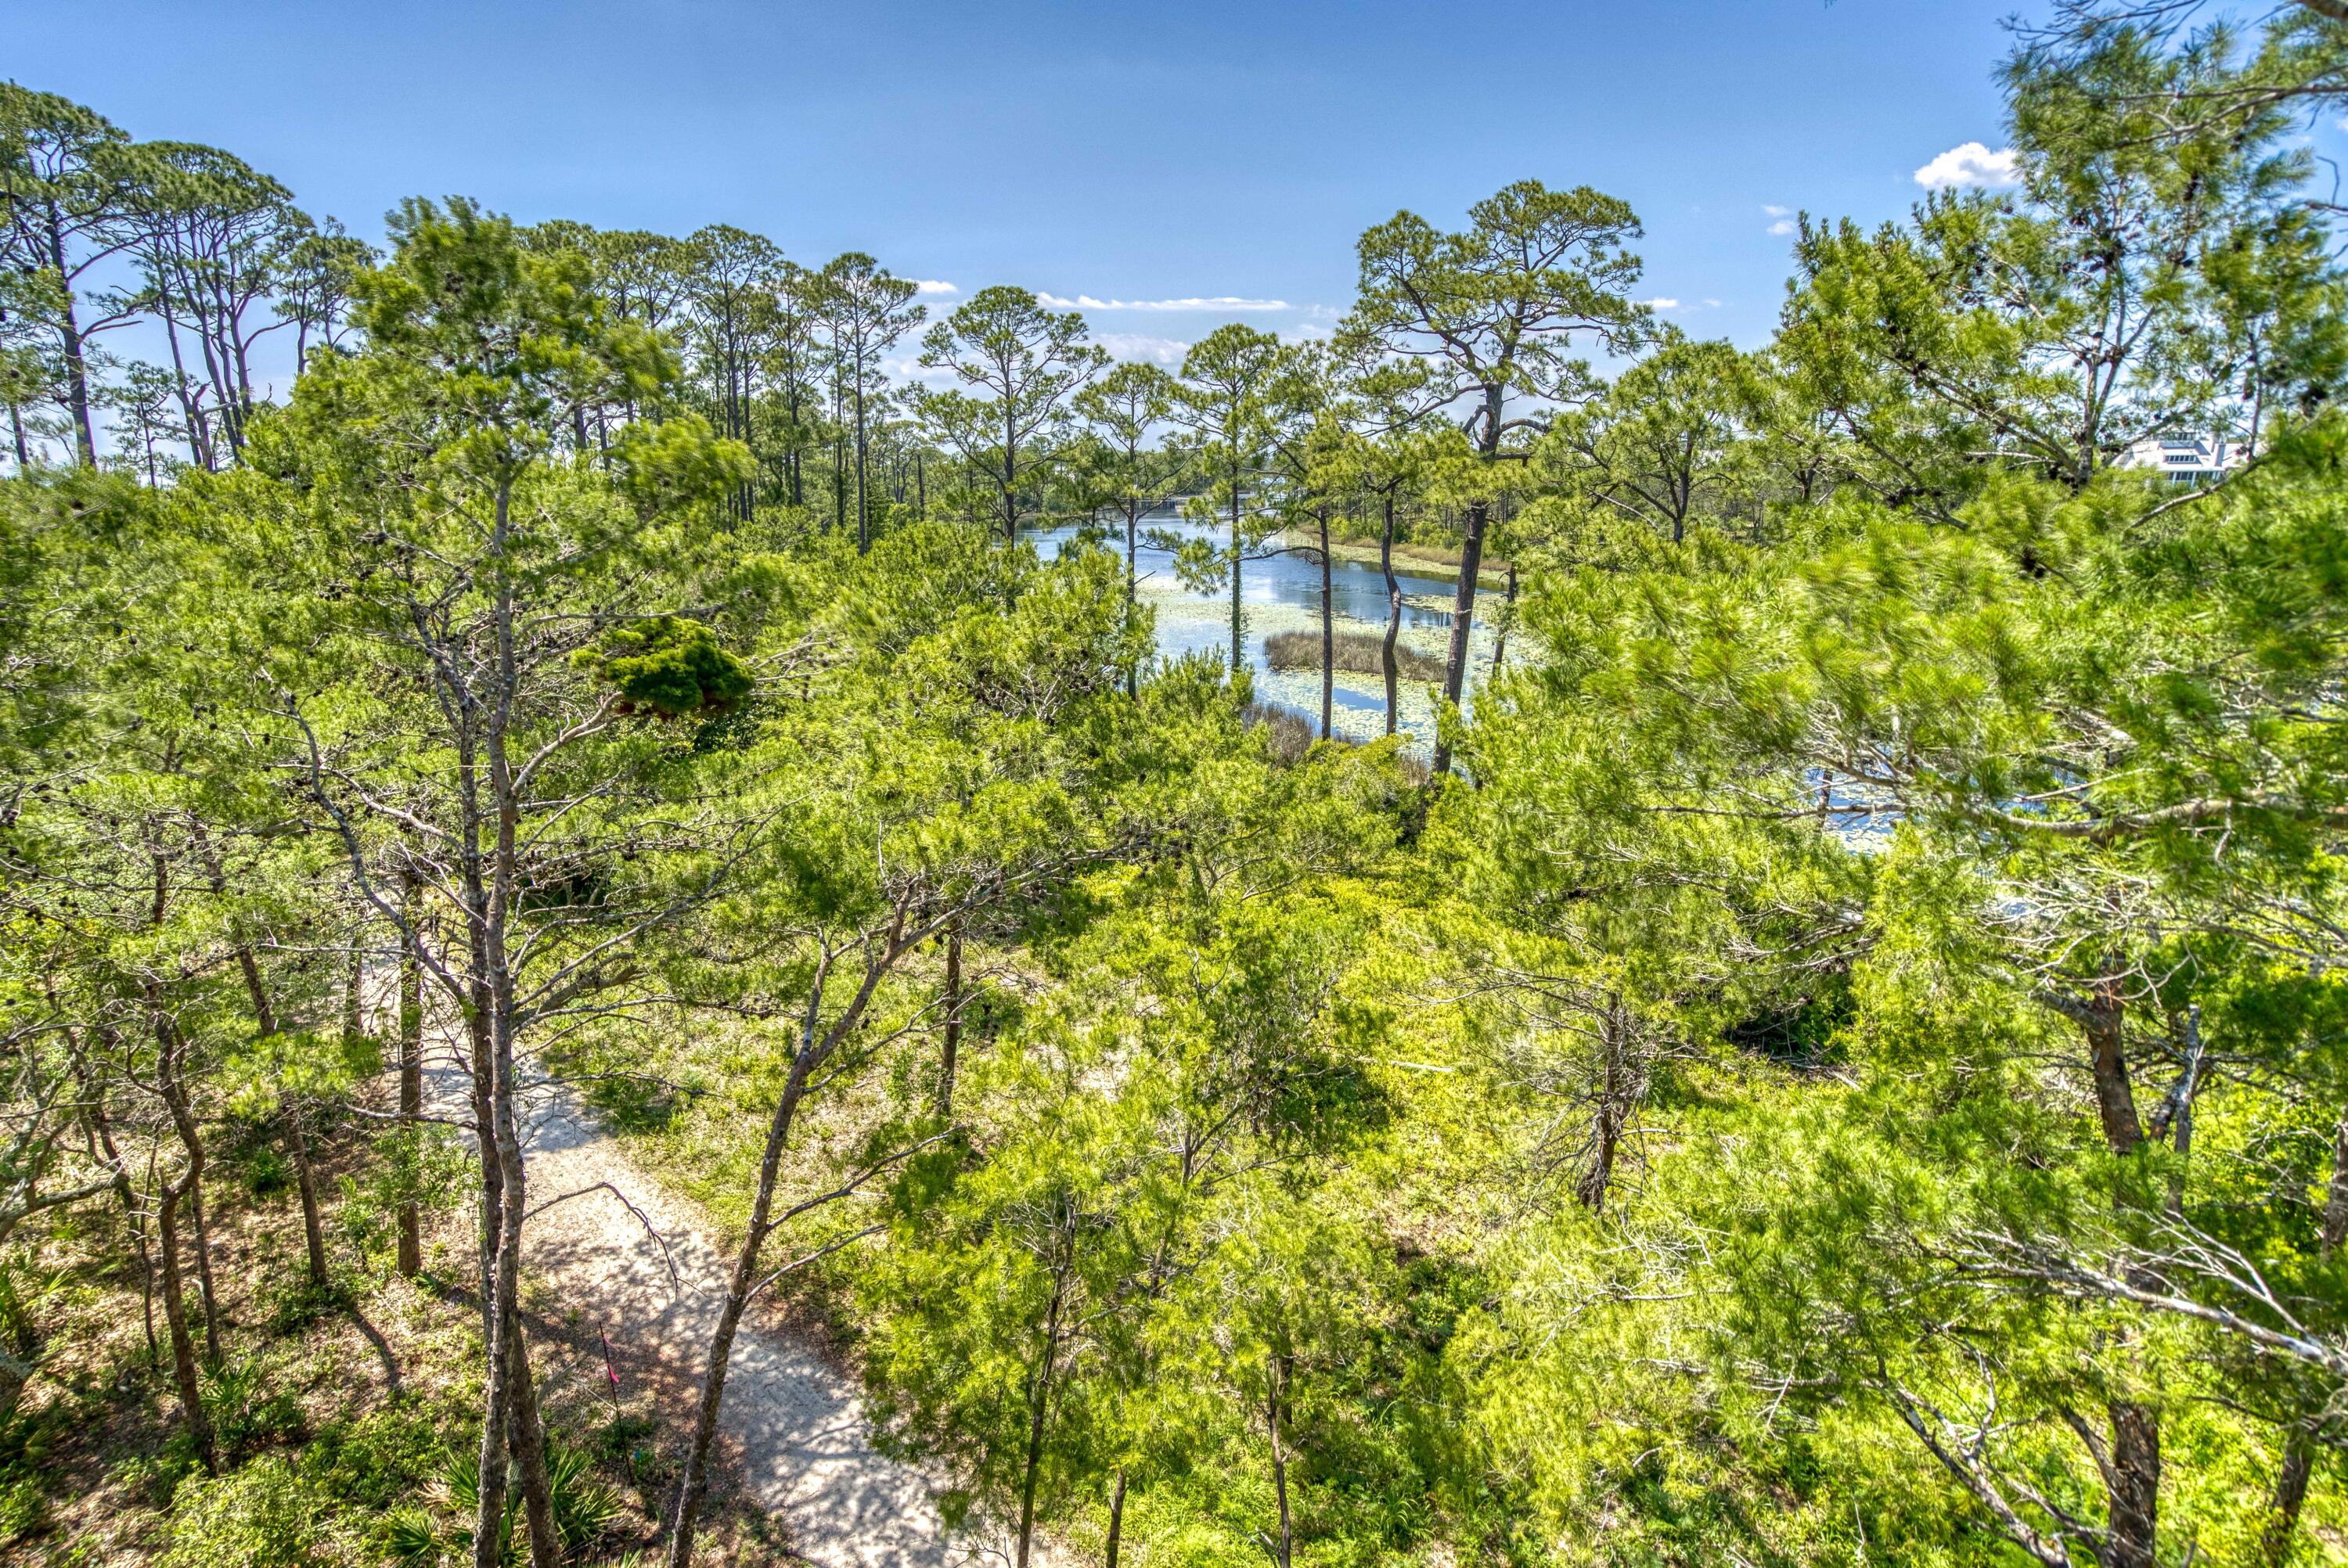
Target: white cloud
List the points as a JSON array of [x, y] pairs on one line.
[[933, 286], [1972, 167], [1782, 226], [904, 367], [1773, 211], [1711, 304], [1661, 303], [1163, 351], [1218, 302]]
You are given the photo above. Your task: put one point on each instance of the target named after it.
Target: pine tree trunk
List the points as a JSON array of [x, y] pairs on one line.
[[1507, 623], [1010, 474], [489, 1515], [1394, 617], [354, 998], [498, 1440], [1613, 1030], [2132, 1516], [950, 1055], [1132, 529], [2281, 1534], [489, 1512], [1236, 621], [686, 1522], [306, 1181], [411, 1082], [175, 1321], [526, 1441], [2102, 1019], [1463, 616], [484, 1118], [739, 1286], [1039, 1403], [76, 362], [100, 1129], [202, 1235], [1277, 1380], [2335, 1232], [1115, 1518], [863, 505], [2132, 1476], [743, 1283], [175, 1305], [1328, 630]]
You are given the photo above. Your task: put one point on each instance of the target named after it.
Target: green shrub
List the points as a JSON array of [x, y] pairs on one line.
[[263, 1516], [23, 1509], [380, 1458], [585, 1509], [670, 666], [620, 1439], [425, 1165], [267, 1173], [293, 1303], [245, 1415]]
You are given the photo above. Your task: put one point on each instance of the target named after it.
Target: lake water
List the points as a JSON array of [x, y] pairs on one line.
[[1283, 594]]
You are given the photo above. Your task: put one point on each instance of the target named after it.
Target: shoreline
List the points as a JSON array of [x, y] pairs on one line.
[[1491, 576]]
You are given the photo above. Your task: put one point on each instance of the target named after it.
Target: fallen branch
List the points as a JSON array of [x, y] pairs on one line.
[[667, 1258]]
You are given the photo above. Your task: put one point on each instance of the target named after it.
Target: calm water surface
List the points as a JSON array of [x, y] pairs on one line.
[[1283, 594]]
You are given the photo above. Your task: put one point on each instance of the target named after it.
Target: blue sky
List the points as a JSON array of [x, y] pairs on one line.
[[1124, 152]]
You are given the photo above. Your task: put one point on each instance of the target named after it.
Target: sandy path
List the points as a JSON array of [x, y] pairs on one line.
[[797, 1420], [807, 1450]]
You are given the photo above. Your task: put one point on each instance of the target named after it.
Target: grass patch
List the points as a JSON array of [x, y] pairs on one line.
[[1360, 653]]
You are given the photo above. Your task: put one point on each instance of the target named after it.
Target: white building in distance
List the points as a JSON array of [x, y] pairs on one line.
[[2187, 460]]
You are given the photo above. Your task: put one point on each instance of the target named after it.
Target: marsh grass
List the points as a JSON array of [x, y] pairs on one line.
[[1359, 652]]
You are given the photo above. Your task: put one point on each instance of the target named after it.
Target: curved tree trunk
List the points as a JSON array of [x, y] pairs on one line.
[[100, 1128], [739, 1288], [1463, 617], [743, 1283]]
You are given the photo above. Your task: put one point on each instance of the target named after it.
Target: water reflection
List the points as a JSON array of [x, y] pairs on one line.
[[1283, 594]]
